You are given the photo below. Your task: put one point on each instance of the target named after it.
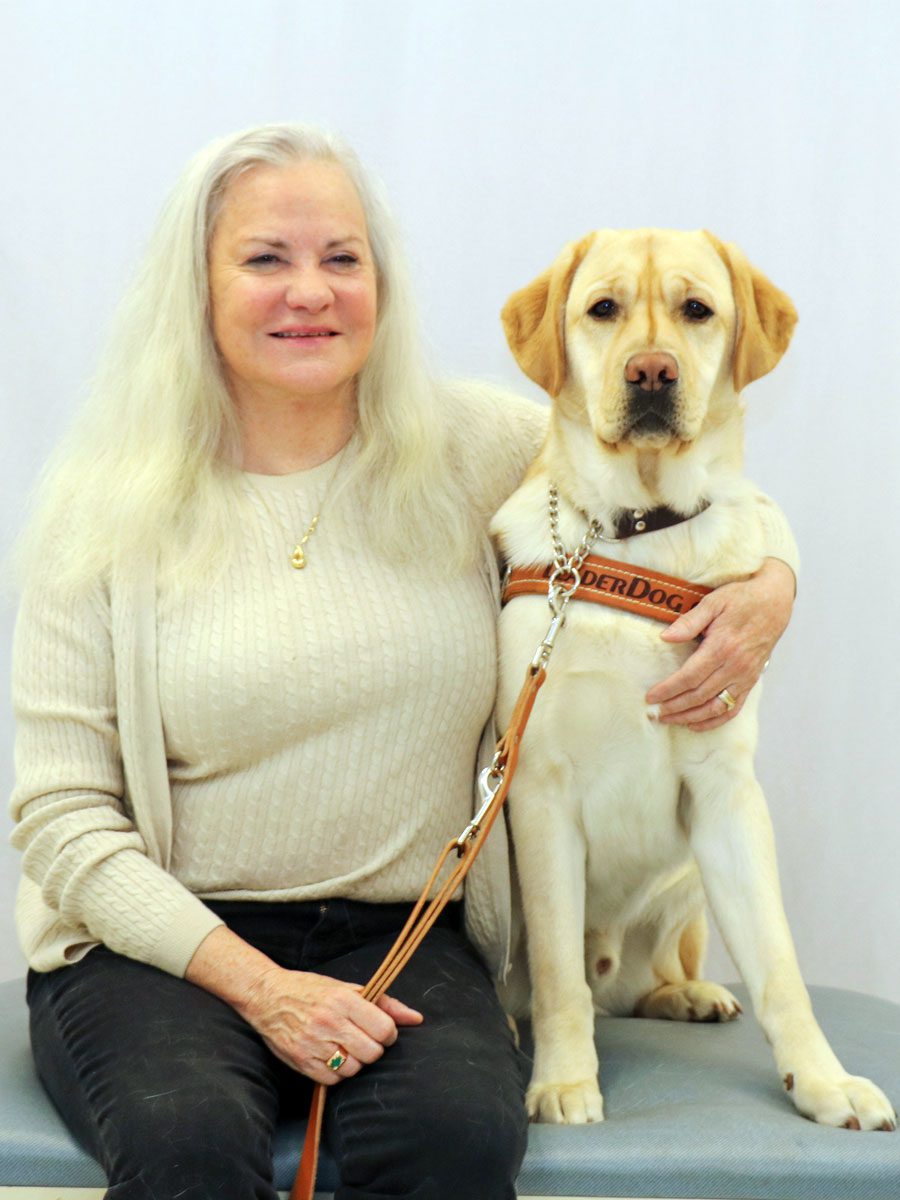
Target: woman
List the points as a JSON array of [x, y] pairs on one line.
[[253, 663]]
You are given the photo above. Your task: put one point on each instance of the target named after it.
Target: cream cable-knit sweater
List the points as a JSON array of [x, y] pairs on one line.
[[284, 735], [321, 725]]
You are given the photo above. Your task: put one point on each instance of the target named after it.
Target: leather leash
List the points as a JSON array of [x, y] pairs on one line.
[[560, 585], [494, 781]]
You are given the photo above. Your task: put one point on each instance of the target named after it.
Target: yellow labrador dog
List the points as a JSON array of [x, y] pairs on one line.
[[644, 340]]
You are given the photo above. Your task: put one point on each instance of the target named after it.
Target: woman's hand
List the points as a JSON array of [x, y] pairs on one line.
[[304, 1019], [740, 624]]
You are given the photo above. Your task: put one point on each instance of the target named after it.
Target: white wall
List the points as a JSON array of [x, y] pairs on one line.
[[504, 130]]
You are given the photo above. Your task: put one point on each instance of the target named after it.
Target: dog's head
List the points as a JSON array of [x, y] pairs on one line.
[[645, 332]]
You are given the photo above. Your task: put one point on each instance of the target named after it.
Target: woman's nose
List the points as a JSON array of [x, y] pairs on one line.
[[309, 289]]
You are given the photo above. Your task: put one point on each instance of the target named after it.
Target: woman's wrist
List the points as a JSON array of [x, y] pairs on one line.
[[780, 573], [778, 585], [230, 968]]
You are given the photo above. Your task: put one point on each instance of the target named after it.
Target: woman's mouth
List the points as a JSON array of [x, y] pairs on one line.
[[305, 333]]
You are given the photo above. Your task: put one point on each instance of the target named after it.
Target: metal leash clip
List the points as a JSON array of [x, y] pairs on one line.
[[545, 649], [490, 781]]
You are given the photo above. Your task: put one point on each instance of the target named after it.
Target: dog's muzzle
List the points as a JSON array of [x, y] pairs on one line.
[[651, 415], [651, 382]]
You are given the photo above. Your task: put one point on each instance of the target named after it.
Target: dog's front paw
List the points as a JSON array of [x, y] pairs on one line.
[[694, 1000], [848, 1101], [577, 1103]]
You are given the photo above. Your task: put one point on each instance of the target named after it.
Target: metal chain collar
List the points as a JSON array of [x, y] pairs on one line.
[[567, 566]]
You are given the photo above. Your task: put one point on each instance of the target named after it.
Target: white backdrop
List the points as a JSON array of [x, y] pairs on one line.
[[502, 131]]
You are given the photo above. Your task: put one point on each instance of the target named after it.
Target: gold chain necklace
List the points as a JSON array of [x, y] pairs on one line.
[[298, 555]]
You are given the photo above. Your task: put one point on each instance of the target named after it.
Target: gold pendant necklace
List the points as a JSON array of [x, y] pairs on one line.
[[298, 559]]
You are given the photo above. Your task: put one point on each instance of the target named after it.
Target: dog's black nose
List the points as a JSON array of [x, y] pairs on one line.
[[652, 371]]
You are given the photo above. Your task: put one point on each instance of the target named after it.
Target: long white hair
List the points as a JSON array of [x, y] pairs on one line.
[[149, 463]]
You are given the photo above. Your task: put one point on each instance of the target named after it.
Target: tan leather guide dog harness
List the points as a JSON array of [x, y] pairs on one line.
[[569, 577], [603, 581]]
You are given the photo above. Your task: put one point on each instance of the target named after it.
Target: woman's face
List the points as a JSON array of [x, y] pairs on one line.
[[292, 285]]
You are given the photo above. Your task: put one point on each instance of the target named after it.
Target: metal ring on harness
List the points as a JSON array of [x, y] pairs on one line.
[[558, 595]]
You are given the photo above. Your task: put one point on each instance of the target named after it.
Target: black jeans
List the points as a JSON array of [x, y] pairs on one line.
[[176, 1096]]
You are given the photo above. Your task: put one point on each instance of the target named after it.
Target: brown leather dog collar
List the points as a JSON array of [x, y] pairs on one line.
[[604, 581], [631, 521]]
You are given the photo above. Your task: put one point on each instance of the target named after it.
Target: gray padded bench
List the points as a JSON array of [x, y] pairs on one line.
[[693, 1111]]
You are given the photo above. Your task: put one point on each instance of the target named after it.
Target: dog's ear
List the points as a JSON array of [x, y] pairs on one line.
[[765, 317], [533, 319]]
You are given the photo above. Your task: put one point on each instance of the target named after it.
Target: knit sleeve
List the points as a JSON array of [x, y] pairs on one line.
[[496, 434], [80, 846], [778, 538]]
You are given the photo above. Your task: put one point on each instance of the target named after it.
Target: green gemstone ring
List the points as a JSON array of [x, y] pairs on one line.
[[336, 1061]]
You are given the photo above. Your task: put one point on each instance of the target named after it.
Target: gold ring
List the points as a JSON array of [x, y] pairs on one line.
[[337, 1060], [727, 699]]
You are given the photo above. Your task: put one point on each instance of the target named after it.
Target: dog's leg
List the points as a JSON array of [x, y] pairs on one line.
[[683, 995], [731, 835], [550, 857]]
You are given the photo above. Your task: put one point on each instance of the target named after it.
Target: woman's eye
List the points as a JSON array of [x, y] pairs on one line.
[[603, 310], [344, 260], [262, 260], [696, 310]]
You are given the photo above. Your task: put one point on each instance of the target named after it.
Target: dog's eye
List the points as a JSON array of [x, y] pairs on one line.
[[696, 310], [603, 310]]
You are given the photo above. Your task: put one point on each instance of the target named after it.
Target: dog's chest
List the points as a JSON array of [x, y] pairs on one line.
[[591, 748], [603, 664]]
